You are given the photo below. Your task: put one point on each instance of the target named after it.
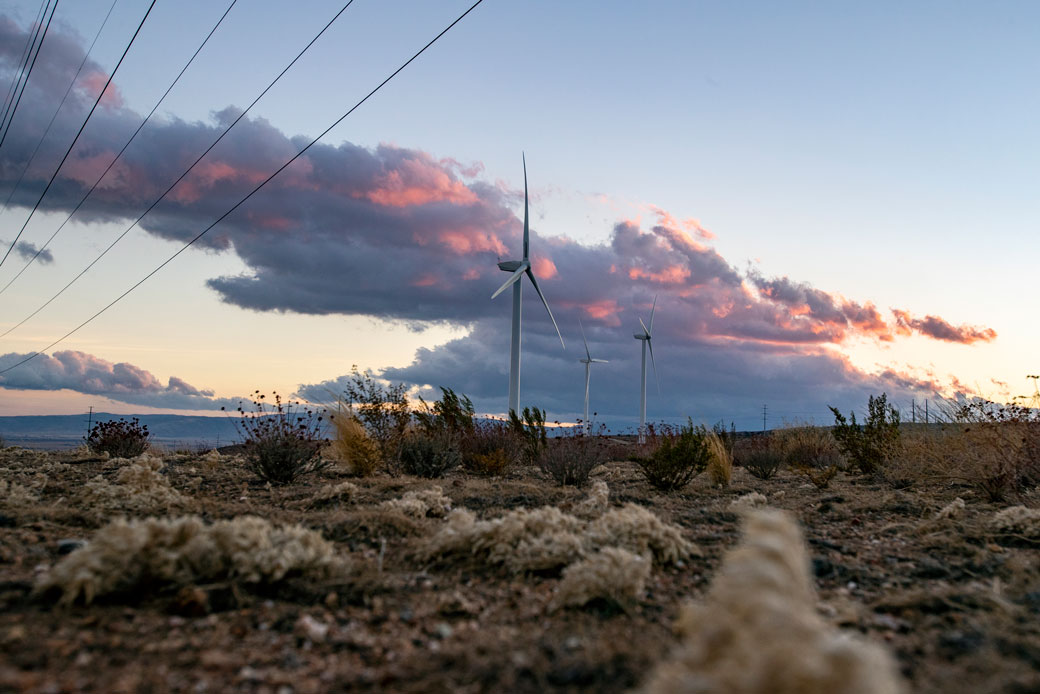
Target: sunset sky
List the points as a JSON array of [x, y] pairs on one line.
[[828, 199]]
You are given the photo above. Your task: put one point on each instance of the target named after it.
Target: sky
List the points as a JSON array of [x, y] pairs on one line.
[[828, 200]]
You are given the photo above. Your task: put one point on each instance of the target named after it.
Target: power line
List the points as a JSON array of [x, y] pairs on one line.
[[47, 130], [14, 108], [30, 38], [82, 127], [171, 186], [253, 192], [105, 172]]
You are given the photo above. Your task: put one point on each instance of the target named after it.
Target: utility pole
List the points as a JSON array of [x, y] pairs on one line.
[[763, 417], [913, 411], [926, 412]]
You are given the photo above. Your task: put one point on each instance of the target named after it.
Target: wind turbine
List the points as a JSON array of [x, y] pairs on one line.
[[588, 361], [645, 337], [520, 268]]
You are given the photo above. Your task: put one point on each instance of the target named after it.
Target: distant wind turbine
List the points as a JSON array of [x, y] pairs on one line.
[[645, 337], [520, 268], [588, 361]]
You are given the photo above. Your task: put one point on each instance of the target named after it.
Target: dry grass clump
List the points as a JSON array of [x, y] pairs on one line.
[[1017, 520], [140, 487], [125, 556], [613, 574], [720, 460], [546, 538], [333, 494], [758, 631], [352, 447], [421, 504], [746, 502], [14, 495], [595, 503]]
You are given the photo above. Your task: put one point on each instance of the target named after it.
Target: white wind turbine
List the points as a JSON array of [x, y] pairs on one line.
[[520, 268], [588, 361], [645, 337]]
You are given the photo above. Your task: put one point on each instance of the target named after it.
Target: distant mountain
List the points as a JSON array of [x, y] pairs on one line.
[[68, 431]]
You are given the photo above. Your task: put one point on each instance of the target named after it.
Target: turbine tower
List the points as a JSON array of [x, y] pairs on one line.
[[588, 361], [519, 268], [645, 337]]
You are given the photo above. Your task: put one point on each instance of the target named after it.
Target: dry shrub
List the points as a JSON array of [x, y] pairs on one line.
[[140, 488], [612, 574], [759, 455], [127, 556], [546, 538], [595, 503], [352, 447], [283, 442], [1019, 521], [570, 459], [676, 458], [421, 504], [720, 462], [211, 460], [491, 449], [811, 452], [119, 438], [758, 632], [429, 455], [15, 496]]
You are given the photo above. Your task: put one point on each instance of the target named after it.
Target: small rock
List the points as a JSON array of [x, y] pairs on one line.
[[443, 630], [311, 629]]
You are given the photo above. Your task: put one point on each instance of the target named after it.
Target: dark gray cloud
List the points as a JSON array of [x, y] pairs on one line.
[[86, 373], [28, 250], [398, 234]]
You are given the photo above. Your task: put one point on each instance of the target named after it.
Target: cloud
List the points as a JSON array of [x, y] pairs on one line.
[[938, 329], [28, 250], [86, 373], [401, 235]]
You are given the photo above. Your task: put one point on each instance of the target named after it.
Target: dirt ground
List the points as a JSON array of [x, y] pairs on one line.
[[958, 606]]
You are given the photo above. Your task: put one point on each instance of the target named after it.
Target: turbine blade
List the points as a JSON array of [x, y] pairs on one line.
[[651, 312], [600, 361], [527, 227], [587, 354], [512, 278], [645, 331], [545, 303], [650, 344]]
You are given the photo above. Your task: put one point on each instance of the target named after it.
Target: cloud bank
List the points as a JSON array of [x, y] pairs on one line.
[[398, 234], [86, 373]]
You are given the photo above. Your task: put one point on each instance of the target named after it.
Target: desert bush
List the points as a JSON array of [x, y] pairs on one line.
[[420, 504], [491, 449], [429, 455], [452, 415], [119, 438], [677, 459], [758, 629], [382, 408], [720, 461], [140, 488], [351, 446], [760, 455], [570, 459], [811, 452], [869, 446], [281, 443], [1018, 521], [530, 431], [995, 448]]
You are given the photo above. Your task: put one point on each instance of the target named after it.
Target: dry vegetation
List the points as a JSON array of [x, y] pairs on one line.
[[186, 572]]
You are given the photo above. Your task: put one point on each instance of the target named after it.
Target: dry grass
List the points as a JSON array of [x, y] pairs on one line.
[[351, 446], [720, 463]]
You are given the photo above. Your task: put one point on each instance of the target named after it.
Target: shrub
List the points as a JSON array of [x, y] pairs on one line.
[[870, 446], [811, 452], [720, 464], [760, 456], [569, 459], [119, 438], [677, 459], [382, 409], [491, 449], [429, 455], [282, 443], [452, 414], [352, 446], [531, 432]]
